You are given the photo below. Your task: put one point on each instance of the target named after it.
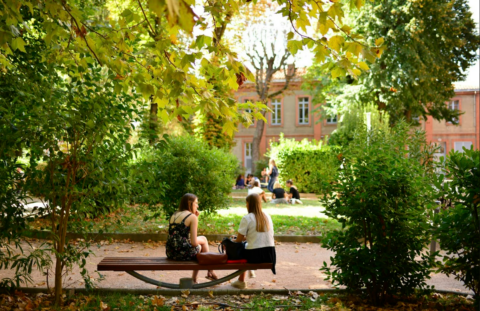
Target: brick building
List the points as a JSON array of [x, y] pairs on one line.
[[292, 115]]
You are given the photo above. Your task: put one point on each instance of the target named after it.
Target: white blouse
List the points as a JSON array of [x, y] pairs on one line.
[[255, 239]]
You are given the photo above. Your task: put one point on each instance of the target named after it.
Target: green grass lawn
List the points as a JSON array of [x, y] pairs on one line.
[[306, 219]]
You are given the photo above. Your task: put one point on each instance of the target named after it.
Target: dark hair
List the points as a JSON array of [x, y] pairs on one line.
[[239, 177], [186, 202], [289, 182], [256, 183], [249, 175]]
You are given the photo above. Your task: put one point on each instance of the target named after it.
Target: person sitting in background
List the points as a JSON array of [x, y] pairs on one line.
[[256, 189], [264, 176], [240, 182], [278, 194], [294, 195], [249, 180]]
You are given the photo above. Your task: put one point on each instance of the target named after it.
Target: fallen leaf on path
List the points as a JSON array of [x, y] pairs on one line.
[[104, 306], [158, 301], [210, 294], [185, 293]]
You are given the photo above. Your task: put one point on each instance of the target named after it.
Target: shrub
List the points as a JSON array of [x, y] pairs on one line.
[[310, 165], [187, 165], [382, 199], [259, 166], [458, 228]]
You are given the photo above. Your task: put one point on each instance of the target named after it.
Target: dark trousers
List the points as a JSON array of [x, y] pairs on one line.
[[271, 182]]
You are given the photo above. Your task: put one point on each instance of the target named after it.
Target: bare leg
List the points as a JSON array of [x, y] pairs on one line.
[[241, 278], [203, 242]]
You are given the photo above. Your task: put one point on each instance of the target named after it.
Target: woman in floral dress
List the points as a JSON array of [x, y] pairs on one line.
[[183, 242]]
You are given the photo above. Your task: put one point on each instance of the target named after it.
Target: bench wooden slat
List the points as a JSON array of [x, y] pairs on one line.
[[162, 263]]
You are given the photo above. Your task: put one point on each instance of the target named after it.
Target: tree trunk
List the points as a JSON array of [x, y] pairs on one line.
[[153, 121], [257, 137], [58, 275]]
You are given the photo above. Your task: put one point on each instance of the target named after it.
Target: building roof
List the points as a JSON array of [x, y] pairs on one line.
[[465, 86]]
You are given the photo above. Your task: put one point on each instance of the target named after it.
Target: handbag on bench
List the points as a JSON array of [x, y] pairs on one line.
[[232, 249], [209, 258]]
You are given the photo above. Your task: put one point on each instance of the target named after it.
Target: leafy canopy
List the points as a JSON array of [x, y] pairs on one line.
[[164, 50], [428, 46]]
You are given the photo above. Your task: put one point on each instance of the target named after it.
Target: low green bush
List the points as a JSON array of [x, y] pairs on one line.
[[311, 165], [382, 198], [458, 228], [186, 165]]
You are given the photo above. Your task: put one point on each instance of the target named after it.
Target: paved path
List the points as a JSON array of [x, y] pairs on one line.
[[297, 267]]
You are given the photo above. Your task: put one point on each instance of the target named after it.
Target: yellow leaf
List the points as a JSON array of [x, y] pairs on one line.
[[210, 294], [321, 52], [356, 71], [173, 7], [164, 116], [156, 6], [324, 28], [162, 102], [379, 41], [335, 42], [363, 66], [336, 11], [338, 72]]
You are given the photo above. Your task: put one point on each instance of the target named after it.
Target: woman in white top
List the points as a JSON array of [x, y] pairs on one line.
[[256, 189], [257, 229]]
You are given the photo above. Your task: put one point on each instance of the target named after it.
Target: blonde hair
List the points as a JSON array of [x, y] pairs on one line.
[[272, 161], [255, 207], [276, 185]]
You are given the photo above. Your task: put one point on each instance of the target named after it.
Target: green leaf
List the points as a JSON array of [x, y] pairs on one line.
[[294, 45], [18, 44]]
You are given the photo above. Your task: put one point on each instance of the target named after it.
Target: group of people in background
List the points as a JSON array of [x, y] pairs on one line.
[[256, 228], [279, 195]]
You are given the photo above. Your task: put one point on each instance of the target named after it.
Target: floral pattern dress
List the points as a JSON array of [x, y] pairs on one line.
[[178, 242]]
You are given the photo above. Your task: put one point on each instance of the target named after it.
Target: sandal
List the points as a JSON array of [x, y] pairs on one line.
[[211, 276]]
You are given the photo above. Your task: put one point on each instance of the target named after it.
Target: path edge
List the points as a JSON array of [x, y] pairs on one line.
[[157, 237], [198, 292]]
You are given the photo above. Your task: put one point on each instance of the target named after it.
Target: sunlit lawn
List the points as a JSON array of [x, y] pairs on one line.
[[305, 219]]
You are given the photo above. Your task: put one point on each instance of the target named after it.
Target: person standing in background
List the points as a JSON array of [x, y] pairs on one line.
[[272, 172]]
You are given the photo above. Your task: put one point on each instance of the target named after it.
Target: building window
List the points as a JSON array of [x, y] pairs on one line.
[[332, 119], [248, 109], [276, 112], [303, 106], [458, 145], [454, 105], [248, 157]]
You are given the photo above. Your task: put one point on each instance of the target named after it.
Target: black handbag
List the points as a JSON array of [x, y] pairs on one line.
[[234, 250]]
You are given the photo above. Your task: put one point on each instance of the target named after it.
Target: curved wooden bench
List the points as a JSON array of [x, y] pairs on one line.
[[133, 264]]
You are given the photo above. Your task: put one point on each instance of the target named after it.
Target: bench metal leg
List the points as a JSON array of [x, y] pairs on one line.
[[185, 283]]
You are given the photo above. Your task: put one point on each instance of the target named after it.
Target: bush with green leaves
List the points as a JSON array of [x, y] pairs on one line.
[[188, 165], [259, 166], [311, 165], [382, 198], [458, 228]]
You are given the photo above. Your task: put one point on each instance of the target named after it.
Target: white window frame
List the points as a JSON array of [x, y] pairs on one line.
[[303, 109], [454, 105], [461, 144], [248, 155], [276, 111], [331, 120]]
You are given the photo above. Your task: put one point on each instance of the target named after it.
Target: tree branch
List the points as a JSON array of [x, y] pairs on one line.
[[145, 15]]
